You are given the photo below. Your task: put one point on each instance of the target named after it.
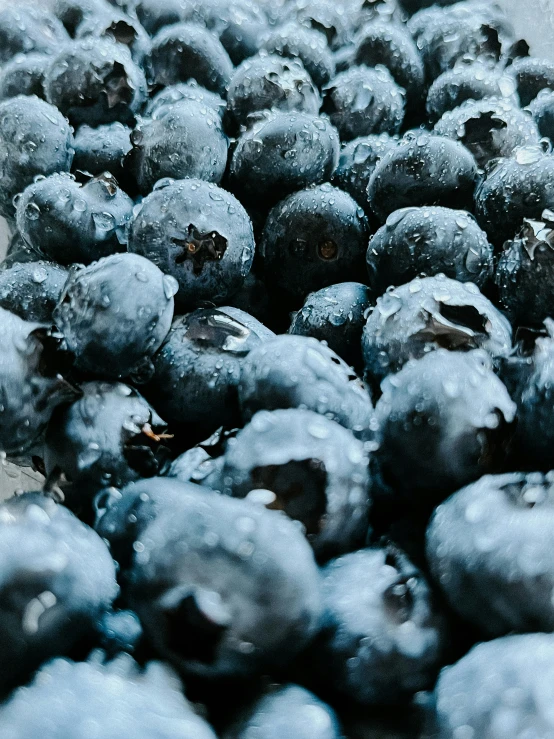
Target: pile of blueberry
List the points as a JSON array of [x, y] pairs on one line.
[[277, 331]]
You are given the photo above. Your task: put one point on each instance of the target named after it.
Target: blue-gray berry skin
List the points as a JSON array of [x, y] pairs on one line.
[[322, 382], [185, 51], [71, 13], [103, 149], [542, 110], [95, 81], [287, 711], [115, 314], [242, 597], [57, 578], [431, 313], [501, 688], [444, 421], [108, 437], [73, 223], [31, 290], [392, 46], [270, 82], [283, 153], [475, 81], [198, 368], [363, 101], [123, 515], [314, 238], [198, 233], [490, 549], [518, 187], [337, 316], [181, 140], [489, 128], [358, 159], [382, 637], [423, 169], [532, 75], [316, 470], [120, 27], [35, 139], [116, 698], [428, 241], [23, 75], [525, 263], [181, 91], [29, 392], [307, 44], [26, 29]]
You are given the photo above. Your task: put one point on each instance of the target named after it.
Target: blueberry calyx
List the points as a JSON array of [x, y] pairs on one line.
[[200, 248]]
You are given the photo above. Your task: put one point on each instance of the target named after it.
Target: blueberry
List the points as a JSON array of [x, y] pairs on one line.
[[267, 81], [306, 44], [115, 314], [472, 695], [239, 26], [115, 698], [301, 372], [185, 91], [391, 45], [363, 101], [444, 421], [71, 13], [57, 577], [525, 263], [287, 711], [542, 110], [283, 153], [463, 32], [316, 471], [314, 238], [224, 587], [154, 15], [335, 315], [476, 81], [118, 27], [23, 75], [25, 29], [489, 128], [186, 51], [325, 16], [35, 139], [198, 233], [357, 161], [507, 585], [382, 637], [428, 241], [69, 222], [109, 436], [182, 140], [31, 290], [198, 367], [192, 466], [103, 149], [530, 379], [423, 169], [29, 387], [123, 515], [95, 81], [515, 188], [532, 75]]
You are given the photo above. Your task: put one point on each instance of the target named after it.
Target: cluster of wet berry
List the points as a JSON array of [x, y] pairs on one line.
[[276, 329]]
